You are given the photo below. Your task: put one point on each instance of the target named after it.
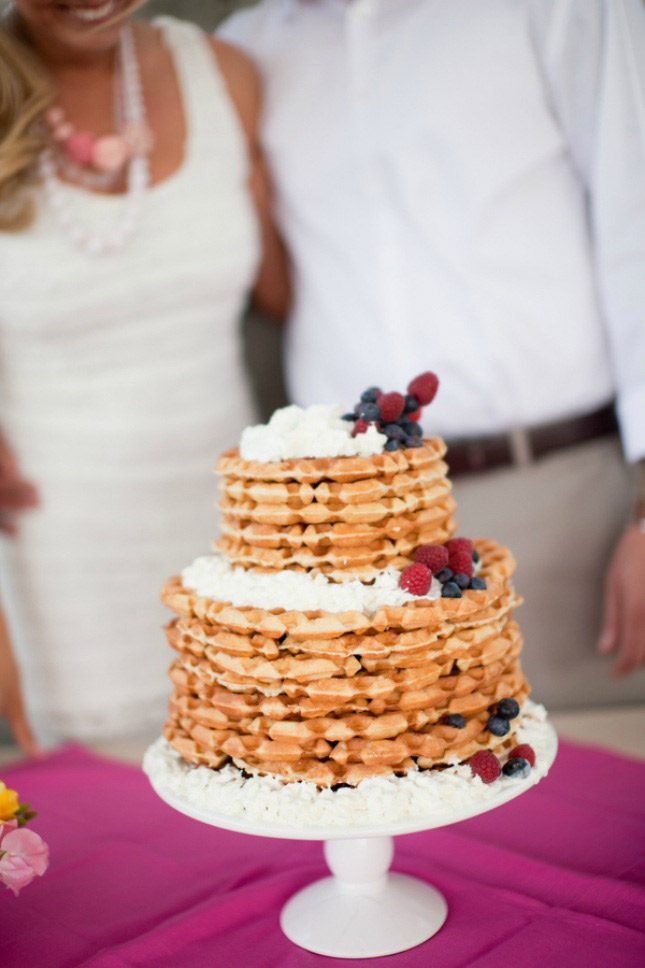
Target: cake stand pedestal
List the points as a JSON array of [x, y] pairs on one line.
[[363, 910]]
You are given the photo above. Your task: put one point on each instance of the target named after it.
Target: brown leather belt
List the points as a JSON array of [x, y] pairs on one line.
[[520, 447]]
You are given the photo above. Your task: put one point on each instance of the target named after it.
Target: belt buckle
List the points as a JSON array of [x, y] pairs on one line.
[[520, 444]]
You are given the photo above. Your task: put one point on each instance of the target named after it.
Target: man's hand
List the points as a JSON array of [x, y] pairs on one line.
[[16, 494], [624, 614]]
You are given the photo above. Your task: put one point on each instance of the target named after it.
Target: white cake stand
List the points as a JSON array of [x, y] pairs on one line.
[[362, 910]]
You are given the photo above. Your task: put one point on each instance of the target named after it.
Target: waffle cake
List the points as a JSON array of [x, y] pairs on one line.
[[340, 631]]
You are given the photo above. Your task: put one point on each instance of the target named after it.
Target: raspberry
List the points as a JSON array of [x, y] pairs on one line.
[[460, 544], [424, 387], [485, 765], [415, 579], [434, 557], [525, 751], [460, 562], [360, 427], [391, 405]]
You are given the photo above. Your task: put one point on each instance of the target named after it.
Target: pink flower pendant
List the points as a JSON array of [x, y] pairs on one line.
[[79, 147], [110, 153]]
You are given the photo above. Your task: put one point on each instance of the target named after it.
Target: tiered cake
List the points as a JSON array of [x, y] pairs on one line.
[[328, 638]]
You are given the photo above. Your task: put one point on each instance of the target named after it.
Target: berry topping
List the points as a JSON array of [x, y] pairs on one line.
[[413, 441], [508, 708], [411, 403], [477, 584], [455, 719], [415, 579], [391, 405], [394, 432], [412, 429], [497, 725], [518, 767], [450, 589], [485, 765], [414, 414], [393, 445], [525, 751], [370, 412], [360, 427], [460, 544], [371, 395], [434, 557], [424, 387], [444, 575], [462, 580], [460, 561]]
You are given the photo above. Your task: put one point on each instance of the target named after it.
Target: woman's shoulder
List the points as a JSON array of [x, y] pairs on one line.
[[242, 79]]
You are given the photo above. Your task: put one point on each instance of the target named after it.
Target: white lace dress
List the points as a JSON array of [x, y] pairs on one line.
[[121, 377]]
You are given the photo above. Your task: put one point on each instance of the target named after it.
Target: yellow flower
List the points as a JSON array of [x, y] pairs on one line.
[[8, 802]]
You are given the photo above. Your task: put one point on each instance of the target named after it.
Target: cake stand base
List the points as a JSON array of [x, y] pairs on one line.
[[362, 911]]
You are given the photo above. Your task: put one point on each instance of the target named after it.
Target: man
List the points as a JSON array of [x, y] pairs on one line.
[[462, 187]]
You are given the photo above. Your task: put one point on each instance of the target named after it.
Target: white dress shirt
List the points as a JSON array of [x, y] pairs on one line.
[[462, 187]]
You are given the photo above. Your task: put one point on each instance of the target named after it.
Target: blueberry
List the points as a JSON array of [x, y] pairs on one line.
[[394, 432], [475, 555], [370, 395], [413, 441], [444, 575], [497, 726], [508, 708], [370, 412], [455, 719], [517, 767], [349, 416], [450, 590], [462, 579], [413, 430], [411, 403], [477, 583], [393, 445]]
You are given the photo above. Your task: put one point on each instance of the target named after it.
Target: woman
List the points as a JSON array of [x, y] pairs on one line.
[[134, 222]]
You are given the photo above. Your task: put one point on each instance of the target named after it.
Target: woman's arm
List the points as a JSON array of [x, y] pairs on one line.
[[11, 704], [271, 291]]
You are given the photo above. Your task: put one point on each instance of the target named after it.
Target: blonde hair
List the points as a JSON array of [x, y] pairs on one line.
[[25, 92]]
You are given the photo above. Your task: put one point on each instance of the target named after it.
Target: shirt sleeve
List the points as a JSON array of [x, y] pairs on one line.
[[592, 54]]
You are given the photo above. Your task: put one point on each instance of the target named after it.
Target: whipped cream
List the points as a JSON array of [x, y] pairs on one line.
[[213, 576], [380, 799], [316, 431]]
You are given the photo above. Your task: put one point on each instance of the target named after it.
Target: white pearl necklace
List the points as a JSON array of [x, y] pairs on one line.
[[138, 175]]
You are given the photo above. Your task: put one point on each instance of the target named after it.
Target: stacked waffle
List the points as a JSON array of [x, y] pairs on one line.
[[336, 696]]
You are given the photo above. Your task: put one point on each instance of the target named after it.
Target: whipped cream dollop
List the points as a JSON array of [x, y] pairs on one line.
[[316, 431], [436, 794], [213, 576]]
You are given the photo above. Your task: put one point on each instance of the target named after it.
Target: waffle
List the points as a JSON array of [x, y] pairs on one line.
[[336, 469], [296, 494], [335, 697]]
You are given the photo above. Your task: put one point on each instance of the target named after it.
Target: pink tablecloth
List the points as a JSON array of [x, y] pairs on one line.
[[555, 878]]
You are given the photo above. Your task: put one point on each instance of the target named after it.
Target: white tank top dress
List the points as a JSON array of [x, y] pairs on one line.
[[121, 378]]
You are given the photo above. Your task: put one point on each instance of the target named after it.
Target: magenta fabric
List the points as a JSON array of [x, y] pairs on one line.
[[555, 878]]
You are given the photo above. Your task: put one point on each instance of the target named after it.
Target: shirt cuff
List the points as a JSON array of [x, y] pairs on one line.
[[631, 416]]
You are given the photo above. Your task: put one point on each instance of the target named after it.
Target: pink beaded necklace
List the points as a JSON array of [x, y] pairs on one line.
[[99, 162]]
